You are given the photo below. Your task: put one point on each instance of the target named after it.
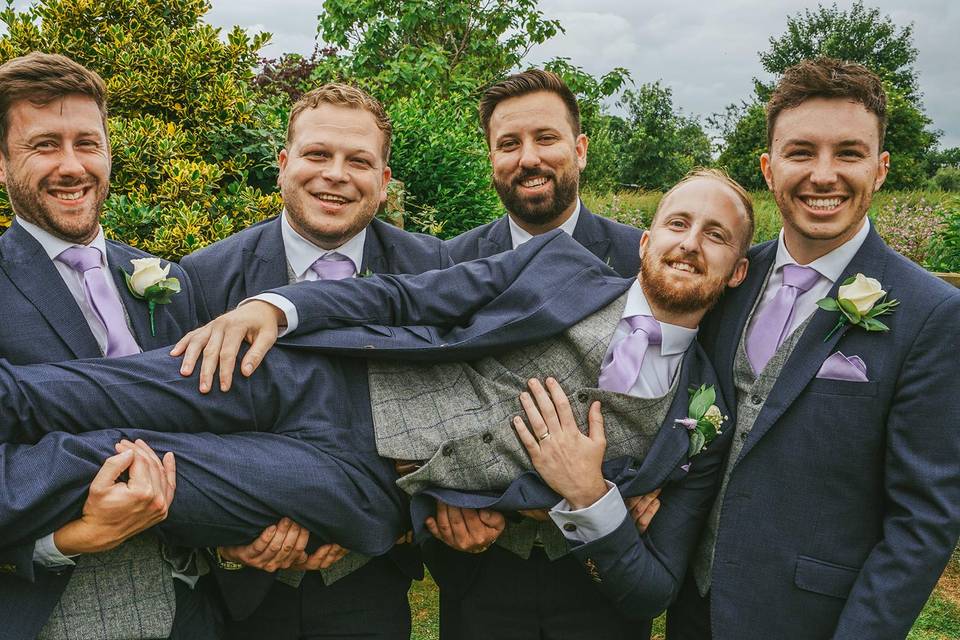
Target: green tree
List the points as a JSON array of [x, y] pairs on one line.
[[175, 91], [862, 35], [435, 47], [661, 144], [744, 133]]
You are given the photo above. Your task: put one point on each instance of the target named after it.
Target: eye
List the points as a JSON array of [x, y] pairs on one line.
[[547, 138], [363, 163], [508, 145], [851, 154], [316, 155], [798, 154], [45, 145]]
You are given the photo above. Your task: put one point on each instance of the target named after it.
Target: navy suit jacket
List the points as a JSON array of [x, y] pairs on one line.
[[615, 243], [253, 261], [844, 504], [42, 323]]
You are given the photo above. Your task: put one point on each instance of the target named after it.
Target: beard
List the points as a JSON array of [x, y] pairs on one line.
[[80, 228], [325, 233], [543, 208], [673, 295]]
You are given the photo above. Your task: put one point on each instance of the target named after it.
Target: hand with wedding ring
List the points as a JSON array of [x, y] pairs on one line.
[[566, 459], [469, 530]]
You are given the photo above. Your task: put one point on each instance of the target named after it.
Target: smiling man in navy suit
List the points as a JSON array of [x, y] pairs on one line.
[[840, 503], [334, 173], [64, 298]]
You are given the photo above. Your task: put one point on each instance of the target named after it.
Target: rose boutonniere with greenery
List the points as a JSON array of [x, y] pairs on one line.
[[703, 419], [149, 282], [859, 301]]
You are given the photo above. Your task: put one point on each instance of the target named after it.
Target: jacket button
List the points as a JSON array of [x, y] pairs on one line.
[[487, 438], [755, 399], [570, 527], [447, 450], [743, 435], [582, 396], [368, 346]]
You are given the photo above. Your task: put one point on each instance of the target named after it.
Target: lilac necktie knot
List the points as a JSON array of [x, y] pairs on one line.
[[621, 373], [103, 299], [333, 266], [771, 326]]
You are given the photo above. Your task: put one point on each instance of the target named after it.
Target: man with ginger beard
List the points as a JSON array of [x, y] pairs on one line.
[[520, 299]]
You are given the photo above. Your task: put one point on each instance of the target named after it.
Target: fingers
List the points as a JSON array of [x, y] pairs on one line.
[[211, 358], [546, 411], [323, 558], [558, 400], [643, 508], [229, 348], [112, 468], [530, 443], [170, 471], [263, 342], [595, 426], [191, 347], [462, 529], [493, 520]]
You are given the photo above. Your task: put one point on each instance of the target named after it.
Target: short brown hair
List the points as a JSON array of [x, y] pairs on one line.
[[521, 84], [828, 78], [344, 95], [41, 78], [723, 177]]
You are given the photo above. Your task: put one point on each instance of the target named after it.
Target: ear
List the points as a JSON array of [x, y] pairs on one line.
[[644, 241], [766, 170], [3, 169], [739, 273], [883, 167], [580, 146], [387, 174], [282, 158]]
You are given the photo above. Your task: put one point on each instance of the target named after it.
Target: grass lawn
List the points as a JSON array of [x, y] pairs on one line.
[[940, 619]]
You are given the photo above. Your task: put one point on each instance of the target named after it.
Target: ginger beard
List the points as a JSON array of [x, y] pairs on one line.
[[676, 293]]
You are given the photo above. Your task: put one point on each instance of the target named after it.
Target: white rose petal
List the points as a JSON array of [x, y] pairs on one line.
[[863, 292], [146, 273]]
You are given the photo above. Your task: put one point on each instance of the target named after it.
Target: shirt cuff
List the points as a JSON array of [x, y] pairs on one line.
[[45, 553], [594, 522], [285, 306]]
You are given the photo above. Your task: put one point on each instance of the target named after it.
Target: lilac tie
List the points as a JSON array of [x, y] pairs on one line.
[[621, 373], [333, 266], [102, 299], [771, 326]]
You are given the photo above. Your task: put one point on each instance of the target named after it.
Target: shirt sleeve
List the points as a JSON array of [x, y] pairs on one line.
[[45, 553], [594, 522], [285, 306]]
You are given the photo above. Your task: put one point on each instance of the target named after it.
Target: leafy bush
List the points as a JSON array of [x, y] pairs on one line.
[[181, 112], [944, 253], [440, 156], [907, 222], [946, 179]]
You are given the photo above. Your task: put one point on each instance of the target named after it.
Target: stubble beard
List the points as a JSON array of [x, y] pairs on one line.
[[79, 228], [324, 238]]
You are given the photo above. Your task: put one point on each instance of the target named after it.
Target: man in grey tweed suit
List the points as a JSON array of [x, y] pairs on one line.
[[55, 164], [452, 421]]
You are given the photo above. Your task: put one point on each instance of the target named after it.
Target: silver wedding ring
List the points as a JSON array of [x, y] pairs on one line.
[[544, 436]]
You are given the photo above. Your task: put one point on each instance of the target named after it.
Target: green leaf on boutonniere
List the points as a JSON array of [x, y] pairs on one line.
[[848, 281], [828, 304], [872, 324], [701, 401], [697, 441], [850, 310]]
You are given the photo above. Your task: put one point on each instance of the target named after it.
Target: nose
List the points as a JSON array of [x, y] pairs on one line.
[[529, 156], [690, 241], [823, 171], [70, 165], [335, 170]]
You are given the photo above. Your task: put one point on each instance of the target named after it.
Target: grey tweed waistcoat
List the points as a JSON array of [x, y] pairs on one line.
[[122, 594], [750, 387], [457, 417]]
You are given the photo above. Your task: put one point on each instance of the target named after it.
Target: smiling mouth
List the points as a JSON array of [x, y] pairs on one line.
[[330, 198], [69, 196], [823, 204], [686, 267]]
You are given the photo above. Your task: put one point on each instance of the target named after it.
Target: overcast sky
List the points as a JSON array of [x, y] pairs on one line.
[[705, 52]]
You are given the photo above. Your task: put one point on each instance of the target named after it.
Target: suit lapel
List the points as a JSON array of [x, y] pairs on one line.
[[375, 253], [265, 263], [497, 240], [35, 276], [811, 349], [589, 234]]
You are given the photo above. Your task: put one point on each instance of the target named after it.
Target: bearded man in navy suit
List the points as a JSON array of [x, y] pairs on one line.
[[333, 176], [64, 298], [840, 504]]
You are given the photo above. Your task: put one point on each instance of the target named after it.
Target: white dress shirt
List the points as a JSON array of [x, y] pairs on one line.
[[657, 372], [518, 235], [830, 267], [301, 254]]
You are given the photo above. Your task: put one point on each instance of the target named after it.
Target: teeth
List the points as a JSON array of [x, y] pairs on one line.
[[682, 266], [534, 182], [68, 195], [823, 203], [326, 197]]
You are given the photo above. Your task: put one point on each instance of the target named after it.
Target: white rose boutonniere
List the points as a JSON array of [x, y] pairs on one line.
[[859, 303], [149, 282]]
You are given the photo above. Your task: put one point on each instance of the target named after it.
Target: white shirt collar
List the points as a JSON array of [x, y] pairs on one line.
[[54, 246], [301, 253], [831, 265], [676, 339], [518, 235]]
